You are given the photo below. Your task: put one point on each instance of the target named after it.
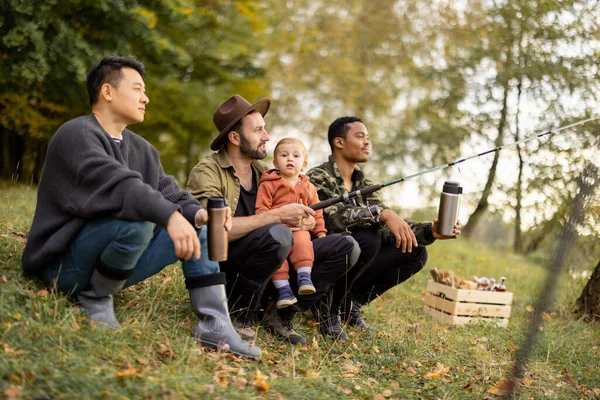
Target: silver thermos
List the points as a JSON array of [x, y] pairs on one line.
[[449, 205]]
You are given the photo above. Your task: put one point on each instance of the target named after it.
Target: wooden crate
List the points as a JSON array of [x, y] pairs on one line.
[[459, 306]]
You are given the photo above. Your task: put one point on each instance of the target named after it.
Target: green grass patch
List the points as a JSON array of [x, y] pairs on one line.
[[49, 350]]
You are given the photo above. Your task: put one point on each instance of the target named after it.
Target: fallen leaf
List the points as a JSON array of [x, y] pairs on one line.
[[42, 293], [14, 379], [127, 371], [8, 350], [376, 349], [439, 371], [17, 315], [311, 373], [546, 316], [345, 389], [260, 382], [12, 392], [4, 279], [386, 393], [351, 368], [526, 382], [411, 371], [378, 396], [165, 352], [530, 309], [221, 378]]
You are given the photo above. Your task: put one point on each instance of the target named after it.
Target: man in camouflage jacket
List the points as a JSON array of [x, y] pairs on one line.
[[392, 249]]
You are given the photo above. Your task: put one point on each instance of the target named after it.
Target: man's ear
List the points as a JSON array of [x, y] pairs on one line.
[[106, 92], [234, 137], [338, 142]]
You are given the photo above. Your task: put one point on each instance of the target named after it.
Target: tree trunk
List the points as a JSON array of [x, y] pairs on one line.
[[589, 301], [11, 149], [518, 240], [483, 202], [40, 157]]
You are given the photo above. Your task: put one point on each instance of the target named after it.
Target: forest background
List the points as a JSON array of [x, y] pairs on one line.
[[432, 81]]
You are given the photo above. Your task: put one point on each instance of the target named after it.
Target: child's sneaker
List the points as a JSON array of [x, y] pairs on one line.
[[286, 297], [305, 285]]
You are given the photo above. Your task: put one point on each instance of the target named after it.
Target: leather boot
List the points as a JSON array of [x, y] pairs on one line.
[[352, 316], [328, 316], [279, 323], [215, 329], [97, 301]]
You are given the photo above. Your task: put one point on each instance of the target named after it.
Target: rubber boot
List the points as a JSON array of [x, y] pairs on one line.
[[97, 301], [215, 329]]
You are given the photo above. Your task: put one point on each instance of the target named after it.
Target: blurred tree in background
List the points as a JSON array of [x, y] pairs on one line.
[[196, 53]]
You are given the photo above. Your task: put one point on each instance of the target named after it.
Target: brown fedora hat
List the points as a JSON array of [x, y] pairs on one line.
[[230, 112]]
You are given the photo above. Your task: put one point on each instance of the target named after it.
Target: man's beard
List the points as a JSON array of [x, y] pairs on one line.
[[247, 150]]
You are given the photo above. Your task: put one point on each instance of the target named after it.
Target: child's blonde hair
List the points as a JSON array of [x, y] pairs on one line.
[[290, 140]]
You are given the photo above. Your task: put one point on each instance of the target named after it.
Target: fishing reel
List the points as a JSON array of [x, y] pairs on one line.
[[365, 216]]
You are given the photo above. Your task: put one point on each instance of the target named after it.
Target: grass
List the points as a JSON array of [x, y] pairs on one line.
[[49, 350]]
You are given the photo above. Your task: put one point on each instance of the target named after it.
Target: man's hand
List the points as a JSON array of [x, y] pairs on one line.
[[297, 215], [184, 237], [202, 218], [437, 236], [307, 224], [405, 237]]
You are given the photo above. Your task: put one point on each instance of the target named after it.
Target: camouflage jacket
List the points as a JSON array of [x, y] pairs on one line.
[[340, 217]]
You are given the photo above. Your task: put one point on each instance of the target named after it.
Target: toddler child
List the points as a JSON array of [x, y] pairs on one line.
[[280, 186]]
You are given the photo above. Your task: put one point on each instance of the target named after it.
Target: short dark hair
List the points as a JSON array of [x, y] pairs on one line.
[[108, 70], [339, 128]]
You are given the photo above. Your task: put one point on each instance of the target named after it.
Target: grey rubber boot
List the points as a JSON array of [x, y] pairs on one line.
[[97, 301], [215, 329]]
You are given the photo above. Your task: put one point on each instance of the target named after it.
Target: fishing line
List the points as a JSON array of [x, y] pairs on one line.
[[373, 188]]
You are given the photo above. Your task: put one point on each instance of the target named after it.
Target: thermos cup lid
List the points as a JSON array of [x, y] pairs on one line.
[[452, 187], [217, 202]]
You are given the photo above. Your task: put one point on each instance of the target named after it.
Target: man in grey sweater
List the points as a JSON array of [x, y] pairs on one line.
[[108, 217]]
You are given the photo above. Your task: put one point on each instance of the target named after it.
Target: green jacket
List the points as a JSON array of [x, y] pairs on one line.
[[329, 183], [214, 175]]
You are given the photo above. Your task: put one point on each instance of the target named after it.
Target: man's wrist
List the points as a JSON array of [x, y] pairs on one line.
[[200, 218]]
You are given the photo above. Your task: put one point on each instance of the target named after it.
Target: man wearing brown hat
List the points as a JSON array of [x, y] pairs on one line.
[[259, 243]]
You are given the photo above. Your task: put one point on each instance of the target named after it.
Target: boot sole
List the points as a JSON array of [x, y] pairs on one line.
[[219, 346]]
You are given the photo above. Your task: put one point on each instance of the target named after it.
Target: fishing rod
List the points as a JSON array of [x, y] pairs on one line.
[[374, 188]]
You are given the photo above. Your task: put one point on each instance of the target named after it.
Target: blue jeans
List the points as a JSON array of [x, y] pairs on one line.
[[124, 246]]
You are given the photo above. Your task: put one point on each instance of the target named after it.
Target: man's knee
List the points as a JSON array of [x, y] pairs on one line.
[[369, 241], [420, 258], [136, 233], [354, 252], [282, 236]]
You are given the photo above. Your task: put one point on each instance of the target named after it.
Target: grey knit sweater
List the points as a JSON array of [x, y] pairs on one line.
[[86, 176]]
